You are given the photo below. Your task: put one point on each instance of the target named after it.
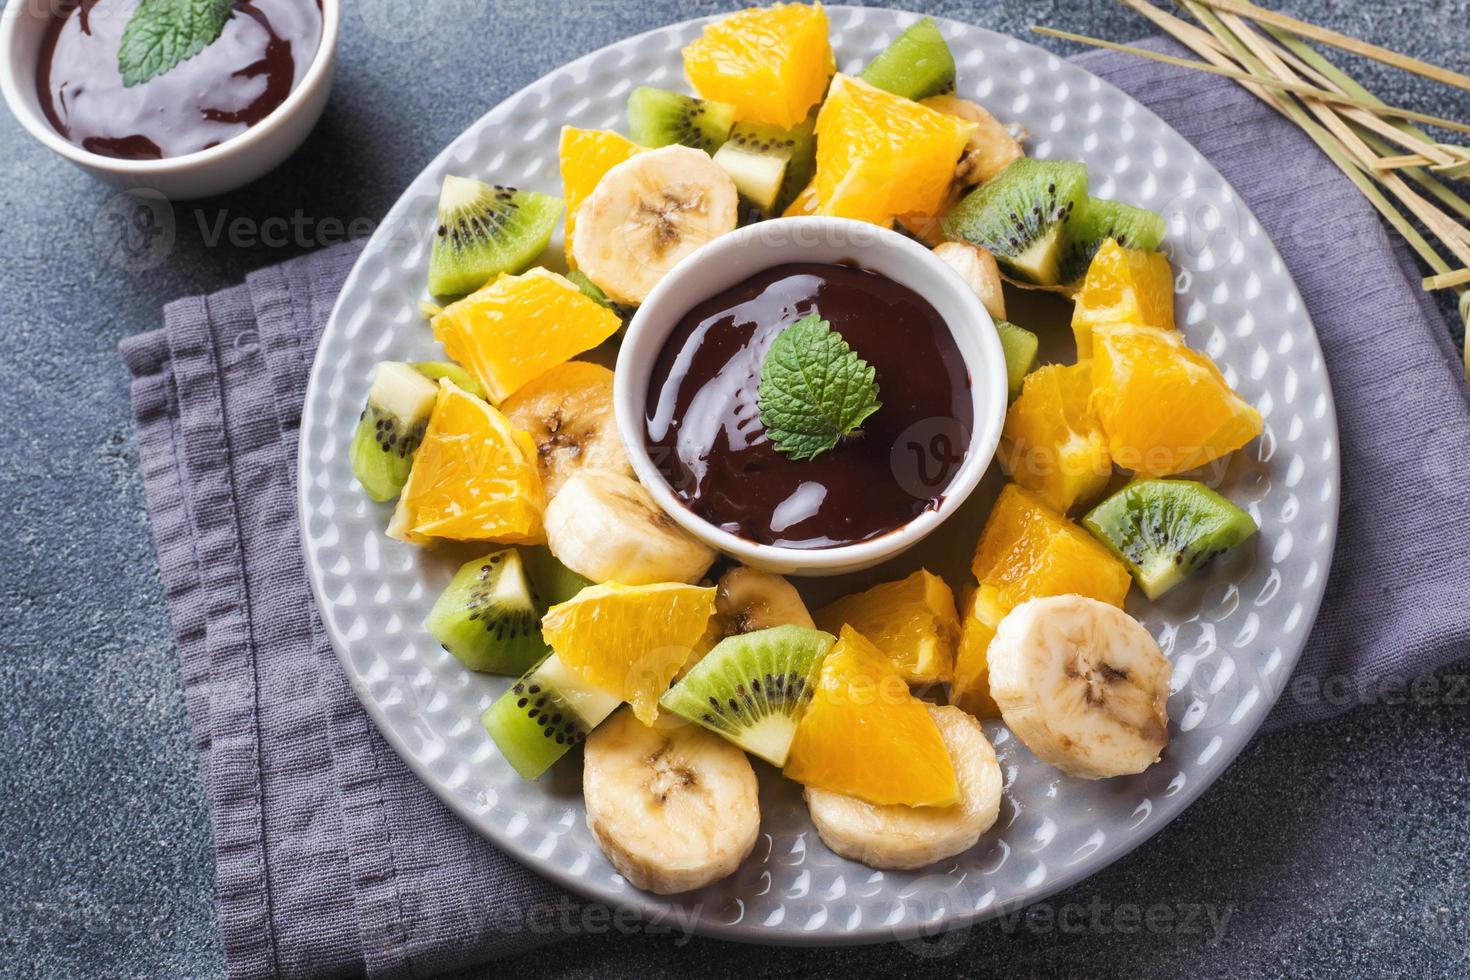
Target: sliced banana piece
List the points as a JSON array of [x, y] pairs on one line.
[[992, 147], [979, 270], [646, 214], [674, 807], [906, 837], [604, 526], [1083, 685], [747, 600], [568, 412]]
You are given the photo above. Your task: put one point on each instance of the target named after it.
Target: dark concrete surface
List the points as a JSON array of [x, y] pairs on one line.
[[1328, 851]]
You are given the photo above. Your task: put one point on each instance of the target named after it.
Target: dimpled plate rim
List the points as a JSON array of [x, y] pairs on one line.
[[1053, 831]]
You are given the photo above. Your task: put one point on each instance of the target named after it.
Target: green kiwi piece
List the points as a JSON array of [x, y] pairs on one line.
[[553, 582], [1095, 221], [545, 713], [1021, 217], [489, 617], [1166, 530], [391, 428], [752, 687], [463, 380], [916, 65], [660, 118], [487, 229], [1020, 346], [770, 166]]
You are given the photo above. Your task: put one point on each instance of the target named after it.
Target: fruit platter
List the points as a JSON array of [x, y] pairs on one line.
[[593, 613]]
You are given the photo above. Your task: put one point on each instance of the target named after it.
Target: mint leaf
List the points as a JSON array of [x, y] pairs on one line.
[[814, 389], [162, 33]]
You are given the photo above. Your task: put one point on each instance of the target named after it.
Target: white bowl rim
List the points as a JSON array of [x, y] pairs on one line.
[[41, 129], [988, 385]]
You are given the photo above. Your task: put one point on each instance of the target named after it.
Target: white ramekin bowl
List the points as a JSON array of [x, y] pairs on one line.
[[216, 170], [735, 257]]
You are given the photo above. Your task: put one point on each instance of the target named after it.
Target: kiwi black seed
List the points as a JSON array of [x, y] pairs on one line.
[[391, 428], [1021, 215], [1166, 530], [751, 688], [484, 230], [770, 166], [489, 616], [660, 118]]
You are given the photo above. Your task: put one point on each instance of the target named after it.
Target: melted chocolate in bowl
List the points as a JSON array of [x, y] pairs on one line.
[[703, 427], [234, 83]]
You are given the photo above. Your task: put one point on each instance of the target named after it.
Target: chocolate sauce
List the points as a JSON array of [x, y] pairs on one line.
[[703, 420], [234, 83]]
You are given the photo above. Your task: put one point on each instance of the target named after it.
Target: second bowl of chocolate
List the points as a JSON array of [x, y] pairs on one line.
[[689, 402]]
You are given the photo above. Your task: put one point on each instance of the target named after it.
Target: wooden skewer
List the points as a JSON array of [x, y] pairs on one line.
[[1448, 280], [1300, 88], [1336, 40]]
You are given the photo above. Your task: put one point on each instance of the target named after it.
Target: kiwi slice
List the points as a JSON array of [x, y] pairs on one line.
[[488, 617], [434, 370], [552, 581], [1020, 346], [917, 65], [545, 713], [487, 229], [390, 428], [1095, 221], [660, 118], [769, 165], [750, 688], [1166, 530], [1021, 217]]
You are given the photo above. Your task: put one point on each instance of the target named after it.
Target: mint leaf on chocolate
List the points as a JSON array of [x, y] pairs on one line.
[[162, 33], [814, 389]]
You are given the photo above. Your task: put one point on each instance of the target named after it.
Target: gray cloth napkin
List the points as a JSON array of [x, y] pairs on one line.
[[334, 860]]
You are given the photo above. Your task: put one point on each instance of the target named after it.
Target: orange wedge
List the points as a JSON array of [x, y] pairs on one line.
[[1052, 442], [586, 155], [880, 155], [913, 622], [1123, 286], [473, 479], [771, 63], [865, 735], [1165, 408], [971, 688], [519, 327], [630, 640]]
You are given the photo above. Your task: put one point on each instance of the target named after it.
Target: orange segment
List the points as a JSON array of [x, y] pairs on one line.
[[1028, 551], [1052, 442], [1165, 408], [971, 688], [879, 155], [865, 735], [630, 640], [805, 203], [473, 478], [586, 155], [1123, 286], [771, 63], [518, 327], [913, 622]]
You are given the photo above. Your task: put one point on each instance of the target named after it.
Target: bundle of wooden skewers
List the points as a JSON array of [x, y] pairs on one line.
[[1402, 169]]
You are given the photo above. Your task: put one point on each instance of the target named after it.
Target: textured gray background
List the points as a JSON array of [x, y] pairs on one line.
[[1329, 850]]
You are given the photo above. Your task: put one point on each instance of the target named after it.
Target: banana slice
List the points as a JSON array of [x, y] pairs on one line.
[[604, 526], [992, 147], [1083, 685], [980, 272], [673, 807], [902, 838], [646, 214], [568, 412], [747, 600]]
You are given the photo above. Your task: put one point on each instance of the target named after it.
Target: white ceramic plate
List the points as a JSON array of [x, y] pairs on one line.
[[1233, 633]]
